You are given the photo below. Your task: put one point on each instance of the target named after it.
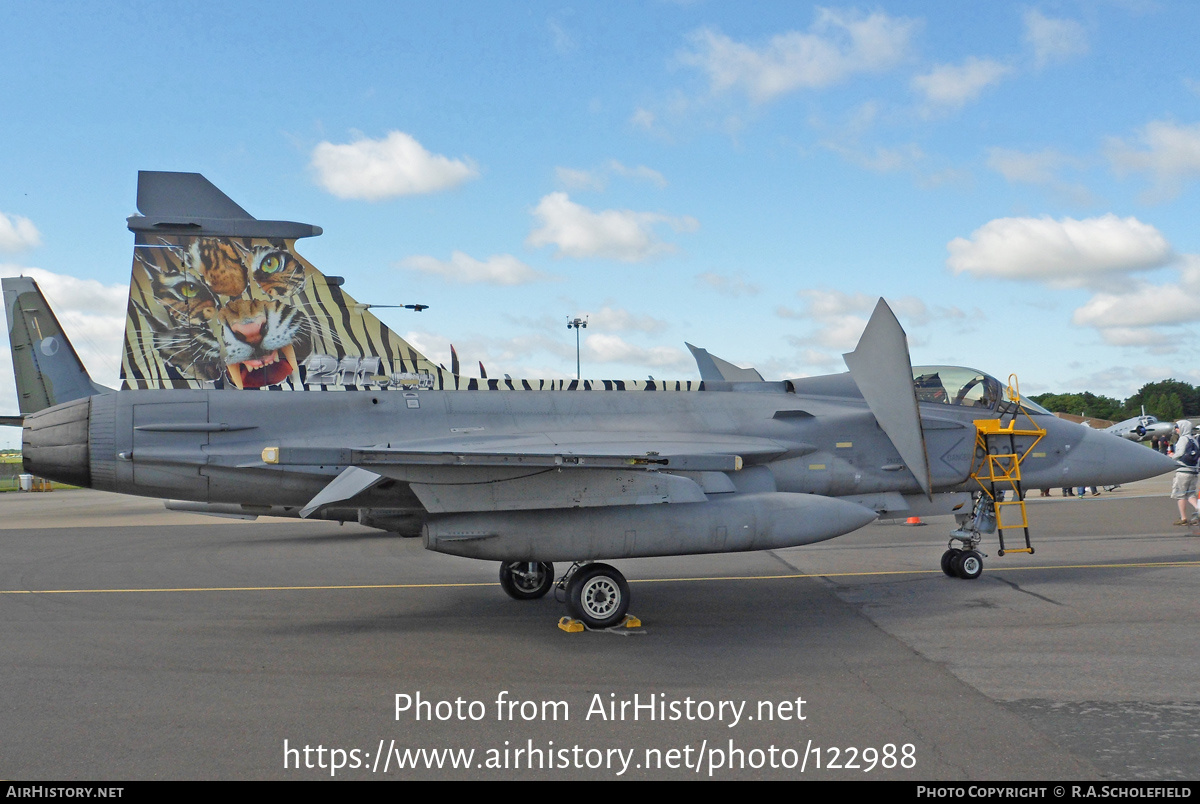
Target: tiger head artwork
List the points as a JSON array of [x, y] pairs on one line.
[[223, 309], [257, 339]]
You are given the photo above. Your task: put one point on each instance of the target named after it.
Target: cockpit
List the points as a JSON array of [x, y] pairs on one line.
[[965, 387]]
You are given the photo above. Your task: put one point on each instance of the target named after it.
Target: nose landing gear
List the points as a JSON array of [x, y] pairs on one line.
[[1000, 449], [965, 564]]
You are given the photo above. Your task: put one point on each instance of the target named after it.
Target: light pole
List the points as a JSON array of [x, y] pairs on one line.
[[577, 324]]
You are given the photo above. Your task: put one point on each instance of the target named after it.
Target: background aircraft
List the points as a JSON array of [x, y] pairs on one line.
[[1141, 428], [253, 384]]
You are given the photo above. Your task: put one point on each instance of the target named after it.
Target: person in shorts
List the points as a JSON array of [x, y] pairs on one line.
[[1183, 489]]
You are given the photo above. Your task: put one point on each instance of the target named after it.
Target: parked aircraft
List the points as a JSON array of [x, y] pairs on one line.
[[251, 383], [1141, 428]]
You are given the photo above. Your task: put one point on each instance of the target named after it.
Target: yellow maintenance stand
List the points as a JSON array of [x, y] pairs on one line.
[[1000, 449]]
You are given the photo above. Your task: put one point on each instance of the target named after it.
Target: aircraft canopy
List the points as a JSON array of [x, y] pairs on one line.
[[967, 387]]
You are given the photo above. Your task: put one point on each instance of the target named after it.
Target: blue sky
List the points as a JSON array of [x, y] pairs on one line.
[[1019, 180]]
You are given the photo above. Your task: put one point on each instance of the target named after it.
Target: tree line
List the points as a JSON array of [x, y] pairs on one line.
[[1166, 399]]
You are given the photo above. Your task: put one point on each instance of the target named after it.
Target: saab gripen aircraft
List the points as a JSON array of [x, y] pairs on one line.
[[251, 383]]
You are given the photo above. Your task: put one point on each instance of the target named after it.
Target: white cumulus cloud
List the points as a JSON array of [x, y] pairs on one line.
[[1134, 336], [92, 316], [574, 179], [1167, 153], [606, 348], [619, 234], [1053, 39], [18, 234], [1065, 252], [878, 159], [542, 356], [839, 318], [952, 85], [1146, 304], [1026, 167], [564, 43], [71, 295], [616, 318], [395, 165], [837, 45], [1040, 168], [500, 355], [643, 118], [498, 269], [728, 285], [640, 172], [597, 179]]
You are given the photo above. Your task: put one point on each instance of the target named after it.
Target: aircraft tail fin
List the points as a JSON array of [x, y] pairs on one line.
[[48, 370], [220, 299]]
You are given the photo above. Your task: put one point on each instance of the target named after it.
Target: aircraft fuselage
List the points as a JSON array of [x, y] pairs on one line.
[[208, 447]]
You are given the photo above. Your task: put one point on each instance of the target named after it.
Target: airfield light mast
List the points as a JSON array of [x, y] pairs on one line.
[[577, 324]]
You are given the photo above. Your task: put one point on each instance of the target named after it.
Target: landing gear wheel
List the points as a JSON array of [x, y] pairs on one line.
[[948, 561], [526, 580], [598, 595], [968, 565]]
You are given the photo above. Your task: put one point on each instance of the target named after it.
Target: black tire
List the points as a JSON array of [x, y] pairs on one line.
[[520, 582], [948, 561], [598, 595], [969, 565]]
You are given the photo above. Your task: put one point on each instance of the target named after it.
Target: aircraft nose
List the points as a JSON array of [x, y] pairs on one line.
[[1102, 459]]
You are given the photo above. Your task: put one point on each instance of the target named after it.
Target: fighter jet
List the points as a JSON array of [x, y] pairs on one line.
[[251, 383], [1141, 428]]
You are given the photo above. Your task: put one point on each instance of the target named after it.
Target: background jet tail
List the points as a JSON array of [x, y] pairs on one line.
[[714, 369], [220, 299], [48, 370]]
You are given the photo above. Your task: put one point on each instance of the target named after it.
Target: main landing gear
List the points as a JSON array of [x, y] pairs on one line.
[[597, 594], [526, 580]]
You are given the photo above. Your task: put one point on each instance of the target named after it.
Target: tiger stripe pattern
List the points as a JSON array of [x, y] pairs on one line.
[[197, 303]]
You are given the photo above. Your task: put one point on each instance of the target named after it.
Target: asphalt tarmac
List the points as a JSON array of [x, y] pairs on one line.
[[145, 644]]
